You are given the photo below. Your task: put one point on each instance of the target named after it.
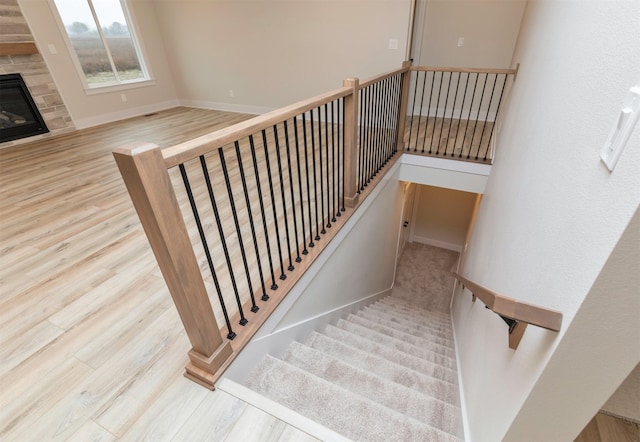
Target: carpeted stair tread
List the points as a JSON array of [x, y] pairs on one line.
[[418, 321], [420, 317], [412, 310], [393, 317], [415, 340], [406, 328], [422, 351], [336, 408], [365, 354], [420, 298], [433, 407], [397, 297]]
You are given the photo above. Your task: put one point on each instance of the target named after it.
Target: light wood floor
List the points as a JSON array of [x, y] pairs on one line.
[[606, 428], [91, 346]]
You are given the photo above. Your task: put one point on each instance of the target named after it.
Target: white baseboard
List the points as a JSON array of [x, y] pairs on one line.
[[436, 243], [227, 107], [84, 123], [463, 402]]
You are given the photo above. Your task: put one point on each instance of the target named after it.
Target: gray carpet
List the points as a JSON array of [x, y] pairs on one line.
[[387, 373]]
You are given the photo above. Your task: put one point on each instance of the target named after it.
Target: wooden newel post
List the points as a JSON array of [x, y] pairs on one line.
[[404, 102], [145, 175], [351, 143]]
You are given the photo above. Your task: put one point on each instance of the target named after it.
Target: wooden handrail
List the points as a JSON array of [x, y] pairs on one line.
[[510, 308], [465, 70], [383, 76], [191, 149]]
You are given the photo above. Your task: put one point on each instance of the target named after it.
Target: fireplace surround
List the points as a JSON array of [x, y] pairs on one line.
[[19, 115]]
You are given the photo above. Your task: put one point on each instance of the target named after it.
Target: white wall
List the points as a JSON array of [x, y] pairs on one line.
[[551, 216], [489, 28], [275, 52], [89, 110], [625, 401], [441, 217]]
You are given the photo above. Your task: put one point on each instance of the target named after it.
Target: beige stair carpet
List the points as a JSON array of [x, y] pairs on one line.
[[386, 373]]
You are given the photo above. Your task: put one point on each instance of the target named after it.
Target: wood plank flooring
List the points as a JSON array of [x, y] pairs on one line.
[[91, 347], [607, 428]]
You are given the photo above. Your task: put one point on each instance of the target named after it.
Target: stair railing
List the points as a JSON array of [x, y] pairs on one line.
[[515, 313], [238, 215], [453, 111]]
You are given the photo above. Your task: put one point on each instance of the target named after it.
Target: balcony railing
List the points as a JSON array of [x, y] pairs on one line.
[[453, 111], [236, 217]]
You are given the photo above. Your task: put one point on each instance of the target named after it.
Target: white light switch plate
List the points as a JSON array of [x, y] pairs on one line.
[[619, 135]]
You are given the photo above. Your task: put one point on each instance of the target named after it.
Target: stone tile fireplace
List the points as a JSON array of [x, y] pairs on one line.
[[19, 55]]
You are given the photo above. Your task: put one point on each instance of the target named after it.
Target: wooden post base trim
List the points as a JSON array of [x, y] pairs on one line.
[[351, 202], [212, 363], [193, 373], [516, 335]]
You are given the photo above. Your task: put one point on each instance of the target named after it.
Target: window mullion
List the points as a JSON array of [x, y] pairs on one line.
[[104, 40]]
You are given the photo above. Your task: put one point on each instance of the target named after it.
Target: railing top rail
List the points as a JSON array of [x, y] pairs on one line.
[[514, 309], [383, 76], [191, 149], [463, 70]]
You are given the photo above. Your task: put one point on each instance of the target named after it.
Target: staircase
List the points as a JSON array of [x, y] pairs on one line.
[[386, 373]]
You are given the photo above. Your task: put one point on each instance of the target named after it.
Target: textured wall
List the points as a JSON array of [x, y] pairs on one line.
[[550, 218]]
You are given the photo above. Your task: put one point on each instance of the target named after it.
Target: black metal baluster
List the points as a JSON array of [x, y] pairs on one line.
[[455, 98], [341, 112], [377, 139], [486, 77], [372, 141], [319, 111], [424, 85], [274, 286], [304, 234], [395, 106], [306, 162], [326, 142], [464, 97], [185, 179], [223, 238], [273, 202], [386, 100], [315, 180], [413, 113], [361, 130], [399, 110], [466, 127], [486, 117], [446, 101], [365, 129], [496, 117], [284, 202], [334, 179], [234, 213], [426, 129], [265, 296], [435, 118], [293, 201]]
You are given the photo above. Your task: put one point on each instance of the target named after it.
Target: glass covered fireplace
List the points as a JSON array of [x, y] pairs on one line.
[[19, 116]]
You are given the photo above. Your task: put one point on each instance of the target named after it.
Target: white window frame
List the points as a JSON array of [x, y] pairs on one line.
[[113, 86]]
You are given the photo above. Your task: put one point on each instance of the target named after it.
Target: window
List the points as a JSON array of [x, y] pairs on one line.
[[103, 41]]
